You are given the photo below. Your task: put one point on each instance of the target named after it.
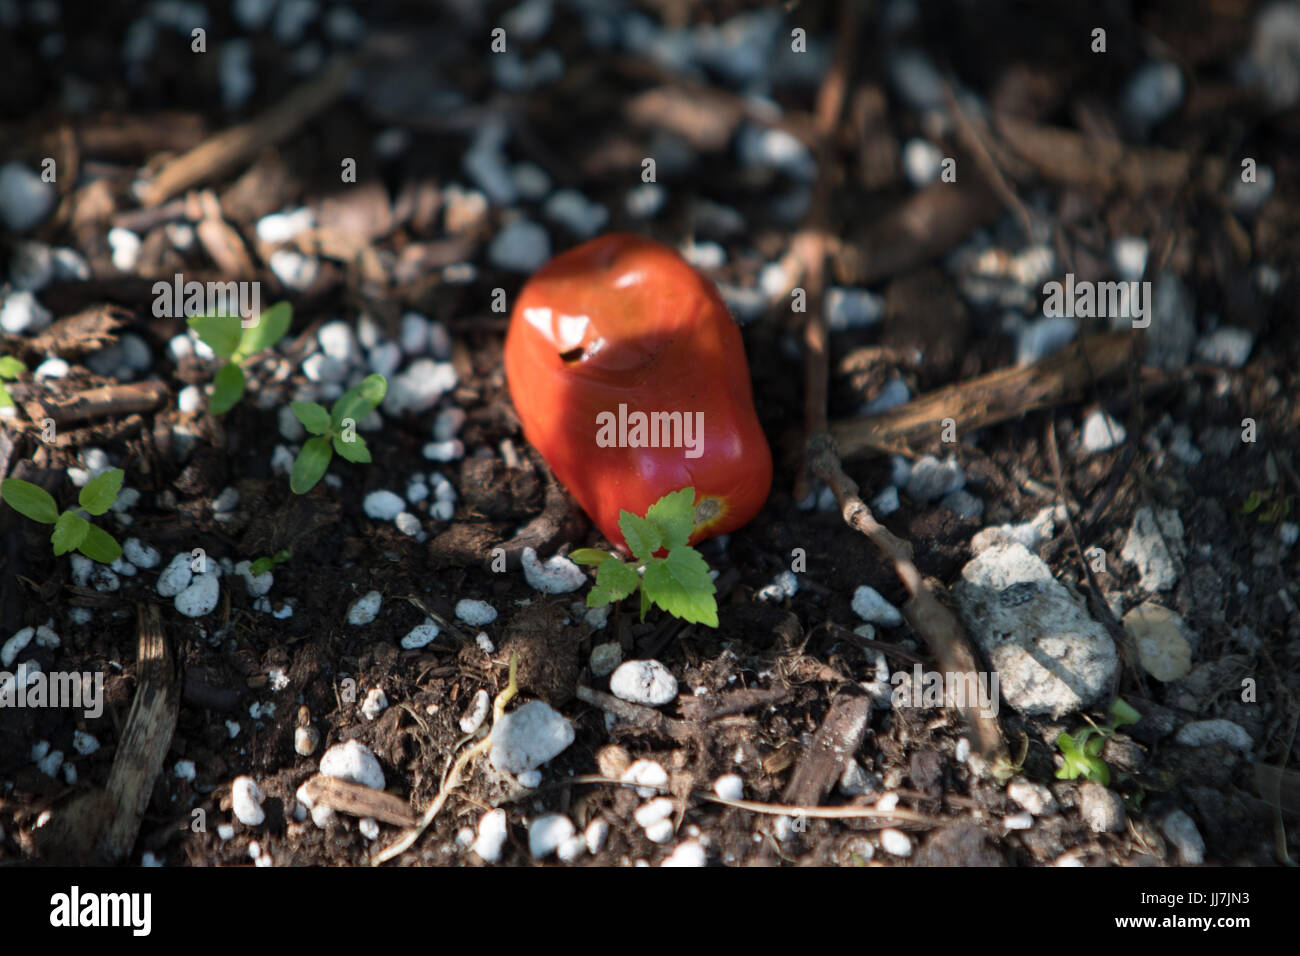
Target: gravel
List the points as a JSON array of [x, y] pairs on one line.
[[475, 613], [643, 682], [25, 200], [1227, 346], [528, 737], [1101, 432], [547, 832], [555, 575], [365, 608], [21, 314], [931, 478], [521, 246], [420, 635], [870, 605], [352, 761], [1205, 733], [1155, 545], [1181, 831], [1051, 657], [200, 597], [246, 801], [383, 505], [493, 830]]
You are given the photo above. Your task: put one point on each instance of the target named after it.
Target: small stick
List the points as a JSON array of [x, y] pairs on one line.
[[230, 147]]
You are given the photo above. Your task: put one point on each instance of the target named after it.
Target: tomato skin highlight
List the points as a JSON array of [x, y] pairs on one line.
[[623, 320]]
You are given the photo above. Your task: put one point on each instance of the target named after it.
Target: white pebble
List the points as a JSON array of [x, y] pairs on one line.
[[689, 853], [369, 828], [871, 606], [648, 776], [365, 608], [141, 554], [492, 832], [246, 801], [475, 613], [374, 704], [21, 314], [557, 575], [476, 713], [1101, 432], [896, 842], [547, 832], [382, 505], [200, 597], [420, 635], [643, 682], [595, 835], [521, 246], [528, 737], [353, 762], [658, 808], [729, 786]]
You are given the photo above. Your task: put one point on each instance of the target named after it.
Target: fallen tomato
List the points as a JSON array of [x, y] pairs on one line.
[[629, 376]]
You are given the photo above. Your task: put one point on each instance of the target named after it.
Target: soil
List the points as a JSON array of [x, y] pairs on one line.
[[1237, 593]]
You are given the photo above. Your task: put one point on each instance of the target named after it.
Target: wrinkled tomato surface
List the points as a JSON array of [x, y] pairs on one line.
[[619, 328]]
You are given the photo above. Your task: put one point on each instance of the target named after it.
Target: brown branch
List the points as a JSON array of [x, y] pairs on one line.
[[997, 396], [928, 616], [232, 146]]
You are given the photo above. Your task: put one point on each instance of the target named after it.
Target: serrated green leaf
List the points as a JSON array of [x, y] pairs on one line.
[[591, 556], [641, 536], [270, 328], [354, 450], [228, 389], [310, 465], [69, 531], [599, 597], [29, 500], [645, 603], [673, 516], [360, 400], [100, 546], [11, 367], [260, 566], [101, 491], [221, 333], [6, 401], [680, 584], [617, 578], [314, 418]]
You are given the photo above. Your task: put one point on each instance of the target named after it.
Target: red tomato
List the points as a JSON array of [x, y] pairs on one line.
[[617, 346]]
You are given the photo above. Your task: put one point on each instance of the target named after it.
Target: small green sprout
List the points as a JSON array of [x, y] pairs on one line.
[[264, 564], [678, 583], [335, 431], [1275, 505], [72, 532], [10, 369], [233, 343], [1082, 751]]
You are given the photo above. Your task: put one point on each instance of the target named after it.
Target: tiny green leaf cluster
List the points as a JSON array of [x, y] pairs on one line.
[[10, 369], [1082, 750], [72, 532], [679, 583], [335, 431], [1272, 505], [268, 563], [233, 343]]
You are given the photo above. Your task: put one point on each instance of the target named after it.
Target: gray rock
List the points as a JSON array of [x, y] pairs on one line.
[[522, 246], [931, 478], [1102, 809], [1181, 831], [1050, 656], [1228, 346], [1155, 545], [1204, 733]]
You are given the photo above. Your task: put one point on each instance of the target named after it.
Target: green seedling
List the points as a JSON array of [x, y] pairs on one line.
[[264, 564], [233, 344], [335, 431], [679, 583], [1082, 750], [1272, 505], [10, 369], [72, 532]]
